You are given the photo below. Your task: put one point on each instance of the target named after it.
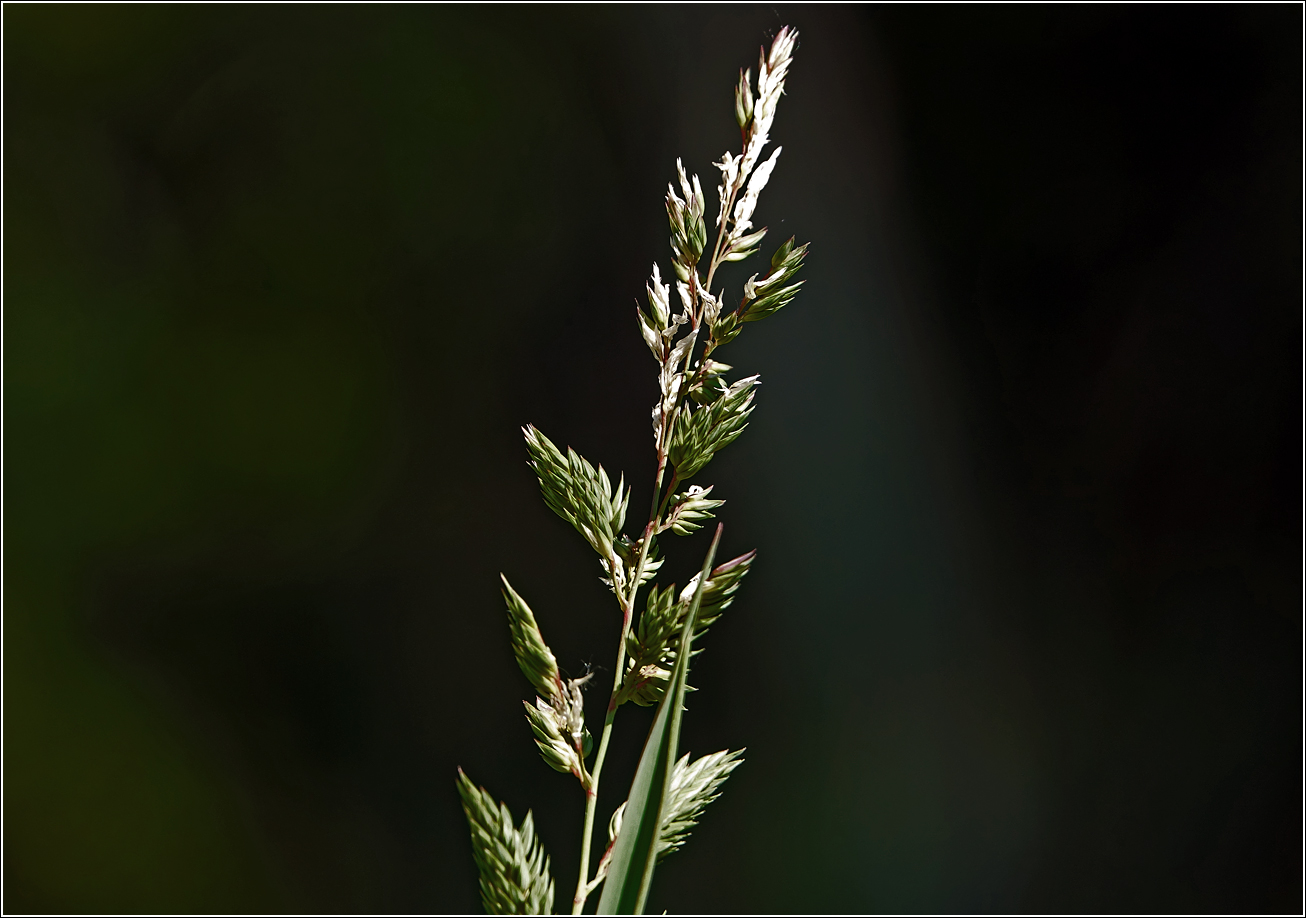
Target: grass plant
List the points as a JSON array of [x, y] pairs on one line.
[[698, 413]]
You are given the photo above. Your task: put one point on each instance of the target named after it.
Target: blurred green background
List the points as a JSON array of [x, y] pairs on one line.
[[282, 283]]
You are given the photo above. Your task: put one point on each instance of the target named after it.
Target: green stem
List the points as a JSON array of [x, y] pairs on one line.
[[675, 699], [720, 238], [592, 787], [675, 479]]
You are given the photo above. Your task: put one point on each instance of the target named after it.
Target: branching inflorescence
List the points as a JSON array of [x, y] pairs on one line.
[[697, 414]]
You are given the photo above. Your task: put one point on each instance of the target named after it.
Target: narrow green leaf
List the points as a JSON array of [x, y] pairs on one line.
[[634, 854]]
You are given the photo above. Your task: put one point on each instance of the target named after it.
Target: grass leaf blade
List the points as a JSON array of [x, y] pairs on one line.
[[634, 854]]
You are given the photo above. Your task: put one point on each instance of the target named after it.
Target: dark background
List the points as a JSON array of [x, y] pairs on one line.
[[282, 283]]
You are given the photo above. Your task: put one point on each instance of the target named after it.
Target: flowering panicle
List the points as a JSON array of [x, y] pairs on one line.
[[689, 509], [698, 412], [688, 234], [558, 717], [655, 643], [692, 788], [514, 869], [754, 120]]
